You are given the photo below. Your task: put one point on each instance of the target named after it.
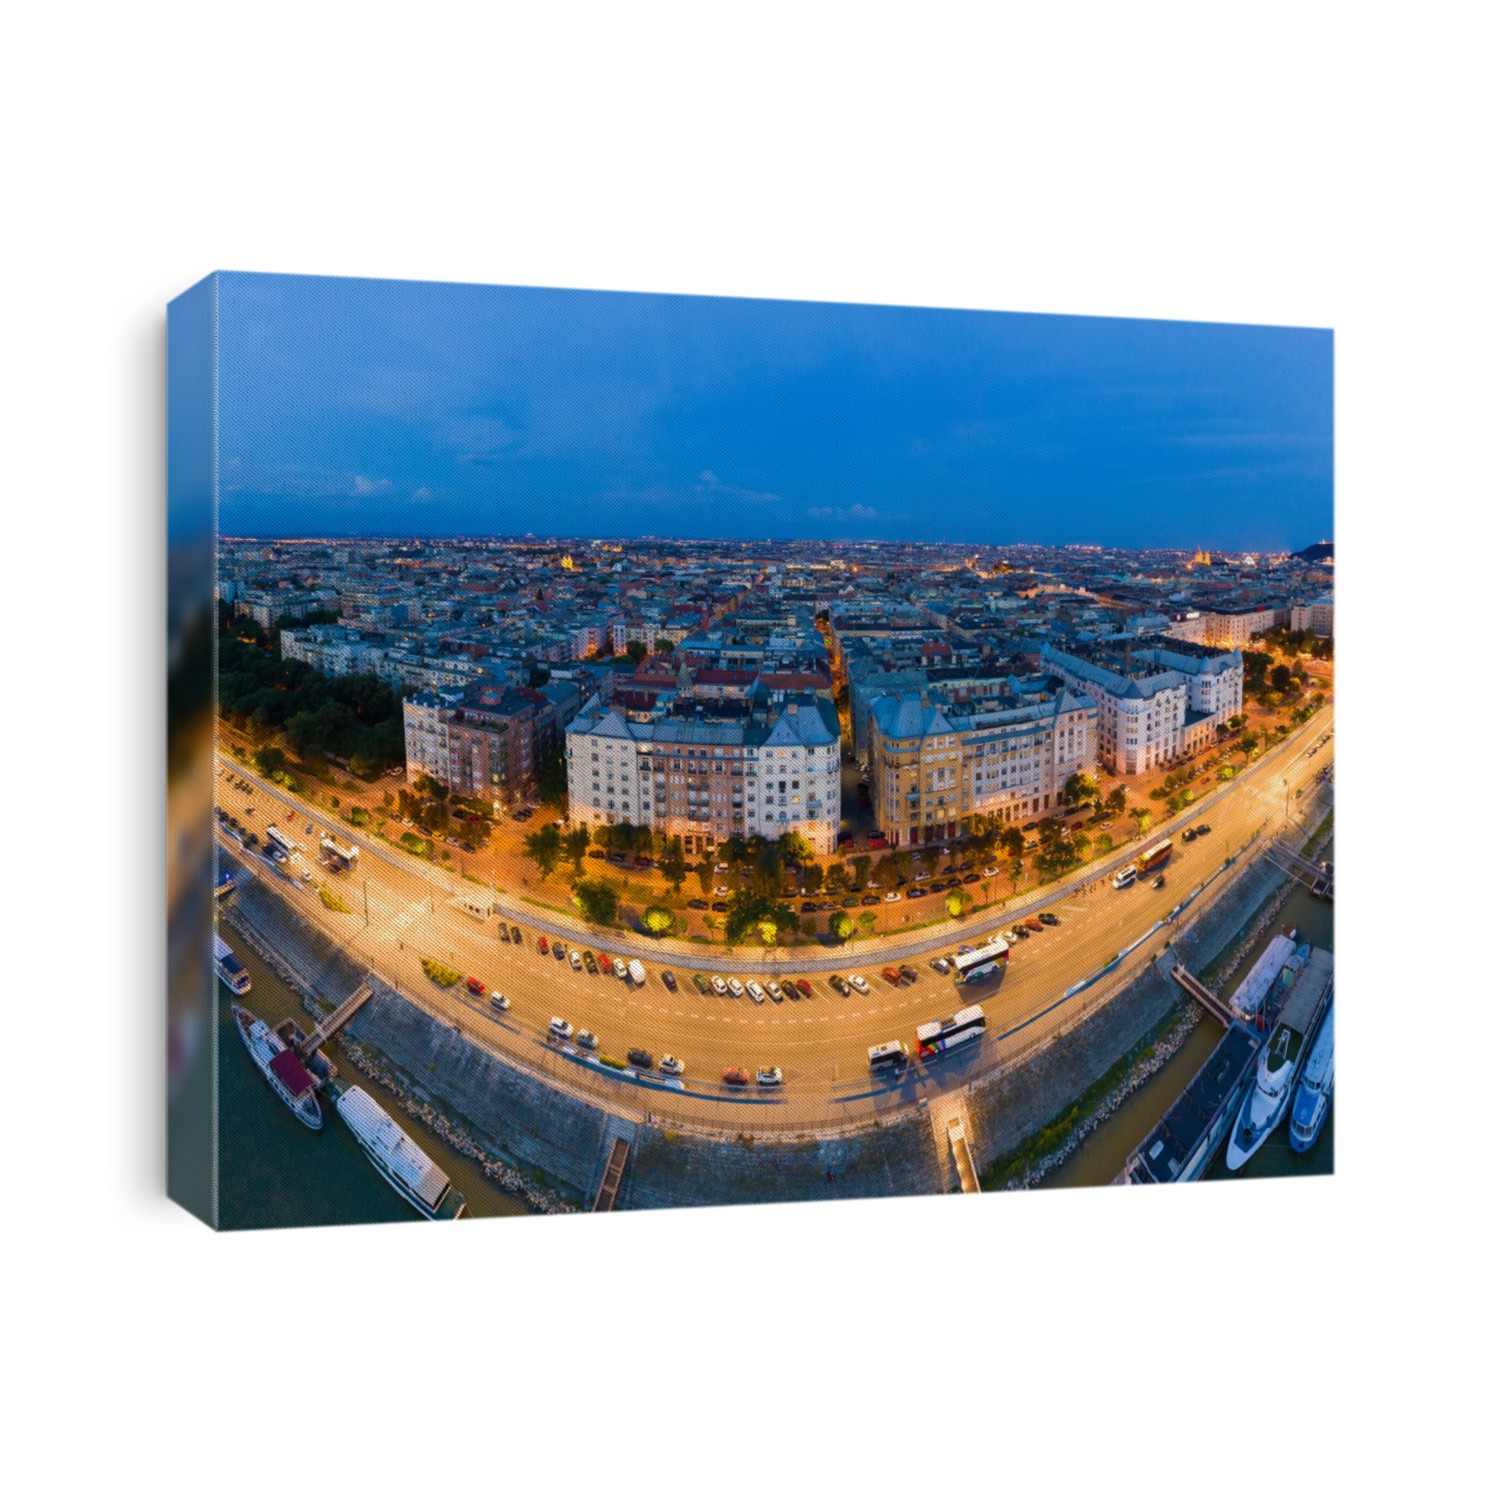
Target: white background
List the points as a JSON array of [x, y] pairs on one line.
[[1323, 165]]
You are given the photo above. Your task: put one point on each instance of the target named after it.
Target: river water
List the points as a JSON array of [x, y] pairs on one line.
[[276, 1173], [1099, 1159]]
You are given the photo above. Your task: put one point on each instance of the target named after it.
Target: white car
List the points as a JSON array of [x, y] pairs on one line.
[[620, 970], [575, 960], [718, 986], [721, 891], [859, 982], [991, 873], [499, 1001], [560, 1028], [587, 1040], [774, 991], [736, 988], [756, 993], [893, 895], [940, 964], [768, 1078], [672, 1065]]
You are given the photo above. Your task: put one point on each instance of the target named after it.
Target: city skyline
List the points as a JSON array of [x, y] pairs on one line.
[[360, 408]]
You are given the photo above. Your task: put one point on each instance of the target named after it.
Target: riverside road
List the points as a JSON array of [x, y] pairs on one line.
[[399, 911]]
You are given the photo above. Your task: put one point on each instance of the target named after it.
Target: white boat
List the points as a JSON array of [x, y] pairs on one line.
[[1281, 1059], [1310, 1107], [280, 1067], [398, 1158]]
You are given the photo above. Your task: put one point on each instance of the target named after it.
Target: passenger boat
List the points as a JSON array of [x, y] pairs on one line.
[[280, 1067], [1310, 1107], [404, 1165]]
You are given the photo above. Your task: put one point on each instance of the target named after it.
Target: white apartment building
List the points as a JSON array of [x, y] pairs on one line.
[[1316, 616], [1156, 704]]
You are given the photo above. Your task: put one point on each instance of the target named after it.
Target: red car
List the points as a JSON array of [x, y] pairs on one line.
[[737, 1076], [804, 989], [1033, 924], [475, 986], [541, 945], [891, 973], [606, 963]]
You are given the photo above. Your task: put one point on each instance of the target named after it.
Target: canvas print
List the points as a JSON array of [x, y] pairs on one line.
[[684, 751]]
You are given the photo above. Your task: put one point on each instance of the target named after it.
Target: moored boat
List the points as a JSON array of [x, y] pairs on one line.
[[1310, 1107], [280, 1067], [404, 1165]]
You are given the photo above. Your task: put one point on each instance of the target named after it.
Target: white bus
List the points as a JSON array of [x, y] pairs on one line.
[[276, 839], [229, 968], [889, 1057], [330, 846], [934, 1037], [982, 962]]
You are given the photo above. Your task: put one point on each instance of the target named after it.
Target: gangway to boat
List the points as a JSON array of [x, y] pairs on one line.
[[334, 1023], [963, 1159], [1205, 997], [604, 1200], [1317, 878]]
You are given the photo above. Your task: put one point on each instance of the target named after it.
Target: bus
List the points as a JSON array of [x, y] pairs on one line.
[[889, 1057], [1154, 857], [934, 1037], [276, 839], [982, 962], [343, 854], [229, 968]]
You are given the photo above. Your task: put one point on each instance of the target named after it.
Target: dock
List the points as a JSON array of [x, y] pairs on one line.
[[1318, 878], [1205, 997], [604, 1200], [331, 1025]]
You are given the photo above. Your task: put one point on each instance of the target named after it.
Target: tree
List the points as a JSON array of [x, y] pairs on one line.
[[1142, 818], [270, 761], [663, 645], [1017, 870], [959, 901], [544, 849], [704, 870], [837, 878], [1104, 843], [1013, 841], [862, 863], [866, 920], [767, 930], [575, 845], [674, 865], [552, 781], [598, 900], [1115, 802], [657, 920], [1080, 788], [812, 878], [1248, 744], [635, 652], [841, 926]]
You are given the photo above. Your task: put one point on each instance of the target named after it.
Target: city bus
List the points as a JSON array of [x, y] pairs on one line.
[[981, 963], [1154, 857], [934, 1037], [340, 855], [889, 1057], [276, 839], [229, 968]]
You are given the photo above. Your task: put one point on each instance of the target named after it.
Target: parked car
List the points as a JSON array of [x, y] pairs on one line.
[[721, 890], [638, 1057], [755, 992], [909, 974], [774, 991], [838, 984], [604, 964], [499, 1001], [587, 1040], [870, 900], [893, 895], [1018, 935], [575, 960], [721, 906], [1033, 924], [515, 936], [619, 968], [669, 979], [719, 987], [697, 905], [940, 964], [891, 973], [475, 986], [736, 1076], [804, 989], [1188, 835], [672, 1066], [736, 988], [859, 982], [1047, 917], [560, 1028], [1201, 829], [557, 952], [768, 1078], [589, 962], [701, 983]]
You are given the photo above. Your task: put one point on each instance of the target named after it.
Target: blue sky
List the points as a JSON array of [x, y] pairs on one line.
[[416, 408]]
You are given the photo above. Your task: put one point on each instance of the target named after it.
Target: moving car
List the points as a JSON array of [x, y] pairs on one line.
[[672, 1066], [588, 1041], [736, 988], [1188, 835], [859, 982], [638, 1057], [474, 986], [1201, 829], [669, 979], [736, 1076], [756, 993], [560, 1028], [768, 1078], [1159, 882]]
